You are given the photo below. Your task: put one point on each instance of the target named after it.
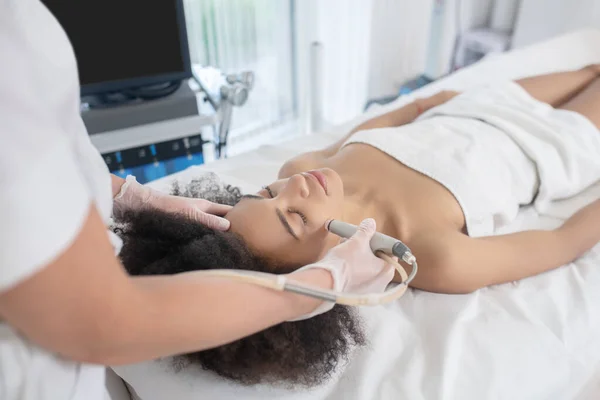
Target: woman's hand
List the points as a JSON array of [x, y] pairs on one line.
[[581, 231], [595, 68], [134, 196]]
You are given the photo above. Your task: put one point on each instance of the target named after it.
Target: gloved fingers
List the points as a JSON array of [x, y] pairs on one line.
[[212, 208], [379, 282], [211, 221], [219, 209], [389, 269], [388, 273], [366, 230]]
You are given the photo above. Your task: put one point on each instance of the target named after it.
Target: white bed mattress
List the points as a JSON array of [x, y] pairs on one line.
[[535, 339]]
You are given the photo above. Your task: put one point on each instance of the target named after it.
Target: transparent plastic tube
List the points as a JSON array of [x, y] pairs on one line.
[[283, 283]]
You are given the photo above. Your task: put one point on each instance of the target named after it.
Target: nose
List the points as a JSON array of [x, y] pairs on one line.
[[297, 186]]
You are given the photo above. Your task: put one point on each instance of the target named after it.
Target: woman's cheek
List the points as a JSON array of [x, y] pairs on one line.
[[327, 241]]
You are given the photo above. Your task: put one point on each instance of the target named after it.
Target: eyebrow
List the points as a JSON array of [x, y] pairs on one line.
[[280, 215], [252, 197], [286, 224]]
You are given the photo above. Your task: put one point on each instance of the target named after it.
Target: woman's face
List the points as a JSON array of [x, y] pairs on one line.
[[286, 220]]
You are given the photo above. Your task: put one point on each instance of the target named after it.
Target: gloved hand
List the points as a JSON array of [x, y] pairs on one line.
[[353, 266], [134, 196]]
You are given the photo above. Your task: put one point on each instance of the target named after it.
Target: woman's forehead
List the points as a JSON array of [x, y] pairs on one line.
[[254, 217]]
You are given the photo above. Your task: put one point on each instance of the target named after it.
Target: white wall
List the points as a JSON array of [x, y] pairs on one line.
[[369, 48], [398, 48], [449, 19], [342, 27], [504, 14], [542, 19]]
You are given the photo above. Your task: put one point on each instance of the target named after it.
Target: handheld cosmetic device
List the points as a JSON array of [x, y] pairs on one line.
[[383, 246], [379, 242]]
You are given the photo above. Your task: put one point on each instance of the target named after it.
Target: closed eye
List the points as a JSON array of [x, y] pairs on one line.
[[304, 219], [291, 210], [279, 213], [269, 191]]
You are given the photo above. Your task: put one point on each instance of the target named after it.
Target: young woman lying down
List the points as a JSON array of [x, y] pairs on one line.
[[442, 174]]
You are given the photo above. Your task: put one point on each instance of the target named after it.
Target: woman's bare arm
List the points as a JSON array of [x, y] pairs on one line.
[[398, 117], [83, 306], [467, 264], [554, 89], [558, 88]]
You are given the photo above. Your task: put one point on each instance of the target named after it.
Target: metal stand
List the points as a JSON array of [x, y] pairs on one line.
[[233, 92]]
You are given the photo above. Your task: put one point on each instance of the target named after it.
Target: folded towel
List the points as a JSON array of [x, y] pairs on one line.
[[496, 149]]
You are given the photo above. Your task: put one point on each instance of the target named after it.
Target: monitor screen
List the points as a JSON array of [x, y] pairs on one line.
[[121, 44]]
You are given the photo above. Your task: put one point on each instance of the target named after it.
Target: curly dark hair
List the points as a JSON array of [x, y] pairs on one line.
[[304, 353]]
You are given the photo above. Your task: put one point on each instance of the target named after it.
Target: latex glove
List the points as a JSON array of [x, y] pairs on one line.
[[134, 196], [354, 267]]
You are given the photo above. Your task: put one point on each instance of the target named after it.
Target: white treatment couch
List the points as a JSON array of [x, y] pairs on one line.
[[536, 339]]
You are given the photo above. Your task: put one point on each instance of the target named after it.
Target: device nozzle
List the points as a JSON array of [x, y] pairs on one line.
[[409, 258]]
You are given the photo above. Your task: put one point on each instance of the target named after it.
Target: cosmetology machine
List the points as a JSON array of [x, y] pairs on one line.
[[154, 137], [148, 110]]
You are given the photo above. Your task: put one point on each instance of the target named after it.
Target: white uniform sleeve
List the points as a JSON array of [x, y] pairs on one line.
[[43, 196]]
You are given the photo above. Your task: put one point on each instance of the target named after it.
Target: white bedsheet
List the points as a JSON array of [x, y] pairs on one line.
[[535, 339]]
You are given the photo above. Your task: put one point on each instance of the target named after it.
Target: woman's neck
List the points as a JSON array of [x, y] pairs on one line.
[[360, 202], [358, 205], [363, 199]]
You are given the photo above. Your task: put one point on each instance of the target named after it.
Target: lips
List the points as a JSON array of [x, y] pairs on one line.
[[320, 178]]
